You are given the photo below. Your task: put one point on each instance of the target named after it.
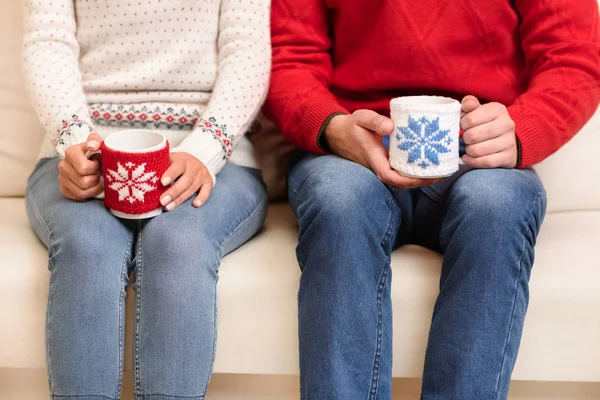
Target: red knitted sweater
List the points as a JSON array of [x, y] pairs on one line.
[[539, 58]]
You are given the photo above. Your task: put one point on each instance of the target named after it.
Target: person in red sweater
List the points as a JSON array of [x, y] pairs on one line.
[[527, 72]]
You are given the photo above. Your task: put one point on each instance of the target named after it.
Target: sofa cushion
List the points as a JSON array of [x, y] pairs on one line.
[[20, 132], [258, 287], [571, 175]]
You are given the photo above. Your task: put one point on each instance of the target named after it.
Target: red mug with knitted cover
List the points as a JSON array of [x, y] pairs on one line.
[[133, 161]]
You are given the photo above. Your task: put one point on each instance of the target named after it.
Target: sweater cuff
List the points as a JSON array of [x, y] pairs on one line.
[[74, 131], [209, 143], [312, 124], [527, 131], [321, 138]]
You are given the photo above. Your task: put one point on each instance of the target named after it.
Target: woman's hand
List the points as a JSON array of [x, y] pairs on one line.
[[79, 176], [190, 176], [489, 134]]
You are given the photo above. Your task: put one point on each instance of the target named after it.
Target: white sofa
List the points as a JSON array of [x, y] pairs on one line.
[[258, 284]]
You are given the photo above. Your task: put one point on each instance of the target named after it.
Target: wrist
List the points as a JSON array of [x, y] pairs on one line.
[[332, 131], [322, 140]]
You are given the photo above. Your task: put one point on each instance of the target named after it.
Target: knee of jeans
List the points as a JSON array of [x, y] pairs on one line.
[[178, 247], [84, 245], [344, 195], [500, 198]]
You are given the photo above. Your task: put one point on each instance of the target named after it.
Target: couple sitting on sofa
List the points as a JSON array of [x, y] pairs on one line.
[[527, 73]]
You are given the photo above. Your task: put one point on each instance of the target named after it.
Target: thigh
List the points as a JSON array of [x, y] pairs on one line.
[[501, 202], [83, 230], [234, 212], [497, 191], [349, 195]]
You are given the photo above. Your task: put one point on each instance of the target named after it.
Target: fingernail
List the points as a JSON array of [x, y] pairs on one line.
[[165, 181], [170, 206], [93, 144], [197, 203], [386, 126], [165, 200]]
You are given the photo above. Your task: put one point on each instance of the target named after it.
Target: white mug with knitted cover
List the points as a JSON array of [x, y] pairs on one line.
[[424, 143]]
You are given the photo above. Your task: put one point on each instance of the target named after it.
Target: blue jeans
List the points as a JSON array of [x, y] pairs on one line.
[[485, 222], [174, 258]]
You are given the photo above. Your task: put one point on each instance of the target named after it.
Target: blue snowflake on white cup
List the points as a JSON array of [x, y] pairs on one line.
[[424, 141]]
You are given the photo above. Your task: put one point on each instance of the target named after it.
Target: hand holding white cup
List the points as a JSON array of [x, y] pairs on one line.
[[425, 140]]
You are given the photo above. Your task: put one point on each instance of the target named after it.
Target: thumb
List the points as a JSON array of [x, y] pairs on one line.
[[470, 103], [93, 142], [374, 122]]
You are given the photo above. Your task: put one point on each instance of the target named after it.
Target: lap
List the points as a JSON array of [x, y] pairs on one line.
[[502, 190], [334, 180], [234, 212], [497, 198], [55, 218], [352, 190]]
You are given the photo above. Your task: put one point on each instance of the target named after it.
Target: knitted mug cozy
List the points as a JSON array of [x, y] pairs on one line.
[[424, 143], [132, 180]]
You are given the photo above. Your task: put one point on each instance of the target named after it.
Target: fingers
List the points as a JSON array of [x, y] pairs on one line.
[[67, 193], [388, 176], [187, 193], [182, 193], [186, 184], [93, 142], [373, 121], [504, 159], [172, 173], [482, 115], [75, 155], [492, 146], [470, 103], [70, 190], [205, 191], [491, 130], [83, 182]]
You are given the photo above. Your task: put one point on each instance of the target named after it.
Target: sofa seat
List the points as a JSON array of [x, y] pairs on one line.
[[257, 296]]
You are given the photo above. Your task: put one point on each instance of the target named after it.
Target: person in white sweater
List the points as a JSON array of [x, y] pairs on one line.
[[198, 73]]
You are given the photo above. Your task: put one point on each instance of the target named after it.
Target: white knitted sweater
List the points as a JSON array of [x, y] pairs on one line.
[[197, 70]]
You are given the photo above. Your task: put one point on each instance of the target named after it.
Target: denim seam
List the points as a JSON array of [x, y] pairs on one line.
[[299, 198], [226, 240], [47, 331], [144, 396], [311, 177], [377, 361], [214, 352], [391, 203], [433, 195], [121, 307], [37, 214], [380, 288], [221, 247], [140, 269], [512, 315], [60, 396]]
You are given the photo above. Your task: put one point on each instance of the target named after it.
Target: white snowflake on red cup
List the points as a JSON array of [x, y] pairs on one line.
[[132, 181]]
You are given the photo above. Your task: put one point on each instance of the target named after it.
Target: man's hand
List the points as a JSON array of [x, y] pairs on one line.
[[357, 138], [489, 135], [79, 176], [191, 176]]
